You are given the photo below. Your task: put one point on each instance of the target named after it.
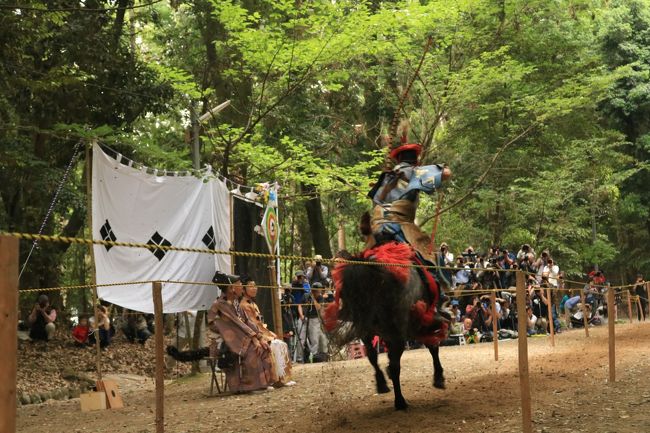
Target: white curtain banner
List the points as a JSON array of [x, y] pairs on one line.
[[129, 205]]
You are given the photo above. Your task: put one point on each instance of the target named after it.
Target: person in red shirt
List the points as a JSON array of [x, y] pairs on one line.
[[80, 332]]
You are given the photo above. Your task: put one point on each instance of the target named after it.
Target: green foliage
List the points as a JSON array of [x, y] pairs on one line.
[[559, 91]]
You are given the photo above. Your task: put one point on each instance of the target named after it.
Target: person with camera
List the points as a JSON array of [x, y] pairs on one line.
[[539, 305], [317, 272], [41, 320], [445, 260], [639, 289], [249, 366]]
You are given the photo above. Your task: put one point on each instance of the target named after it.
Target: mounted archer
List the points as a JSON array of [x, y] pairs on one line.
[[396, 198]]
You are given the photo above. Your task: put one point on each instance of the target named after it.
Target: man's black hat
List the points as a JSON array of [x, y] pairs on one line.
[[224, 280]]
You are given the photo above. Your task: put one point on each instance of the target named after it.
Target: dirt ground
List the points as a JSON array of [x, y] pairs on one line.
[[569, 390]]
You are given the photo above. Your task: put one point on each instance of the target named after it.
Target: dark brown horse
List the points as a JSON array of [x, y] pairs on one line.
[[391, 302]]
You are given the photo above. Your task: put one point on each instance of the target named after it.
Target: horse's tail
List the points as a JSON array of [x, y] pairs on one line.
[[188, 355]]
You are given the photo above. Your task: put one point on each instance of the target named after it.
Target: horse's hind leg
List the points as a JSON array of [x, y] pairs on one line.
[[438, 376], [395, 350], [382, 386]]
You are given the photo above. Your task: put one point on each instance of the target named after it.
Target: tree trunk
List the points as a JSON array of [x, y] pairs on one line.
[[316, 223]]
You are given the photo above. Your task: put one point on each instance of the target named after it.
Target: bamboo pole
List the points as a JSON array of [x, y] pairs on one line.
[[160, 367], [495, 331], [91, 250], [275, 301], [585, 321], [551, 325], [524, 380], [629, 306], [611, 318], [638, 305], [8, 332]]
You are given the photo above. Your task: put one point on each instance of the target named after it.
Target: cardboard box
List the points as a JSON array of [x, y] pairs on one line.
[[93, 401], [112, 393]]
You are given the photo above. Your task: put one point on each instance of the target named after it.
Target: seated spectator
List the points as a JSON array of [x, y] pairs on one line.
[[539, 306], [462, 276], [531, 326], [102, 328], [281, 361], [577, 319], [41, 320], [508, 318], [135, 326], [249, 365], [81, 332], [455, 311]]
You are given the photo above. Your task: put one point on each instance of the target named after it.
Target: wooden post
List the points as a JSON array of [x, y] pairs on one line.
[[275, 301], [160, 361], [495, 331], [524, 380], [91, 250], [629, 306], [8, 332], [611, 318], [551, 325], [585, 321]]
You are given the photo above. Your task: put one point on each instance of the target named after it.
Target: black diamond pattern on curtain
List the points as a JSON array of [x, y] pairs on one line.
[[208, 239], [157, 239], [107, 234]]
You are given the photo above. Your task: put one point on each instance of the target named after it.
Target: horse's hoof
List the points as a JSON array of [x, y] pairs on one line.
[[401, 404], [383, 389], [439, 382]]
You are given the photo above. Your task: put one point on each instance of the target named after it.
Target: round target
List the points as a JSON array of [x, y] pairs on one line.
[[271, 227]]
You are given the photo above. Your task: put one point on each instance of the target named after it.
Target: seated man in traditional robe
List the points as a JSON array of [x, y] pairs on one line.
[[281, 360], [252, 368]]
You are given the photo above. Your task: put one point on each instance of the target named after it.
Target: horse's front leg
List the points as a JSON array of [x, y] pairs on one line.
[[395, 350], [382, 386], [438, 376]]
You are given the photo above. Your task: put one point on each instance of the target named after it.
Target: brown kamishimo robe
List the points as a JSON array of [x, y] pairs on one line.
[[251, 371], [281, 359]]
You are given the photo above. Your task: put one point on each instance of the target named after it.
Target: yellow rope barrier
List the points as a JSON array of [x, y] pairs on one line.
[[74, 240]]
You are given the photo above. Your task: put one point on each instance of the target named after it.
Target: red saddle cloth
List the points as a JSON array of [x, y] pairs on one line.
[[400, 254]]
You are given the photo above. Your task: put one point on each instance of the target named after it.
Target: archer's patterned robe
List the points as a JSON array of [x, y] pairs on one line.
[[252, 371]]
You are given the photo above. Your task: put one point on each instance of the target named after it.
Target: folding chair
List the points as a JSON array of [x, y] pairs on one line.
[[217, 377]]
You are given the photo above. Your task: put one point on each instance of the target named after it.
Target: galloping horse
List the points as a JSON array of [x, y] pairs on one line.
[[392, 302]]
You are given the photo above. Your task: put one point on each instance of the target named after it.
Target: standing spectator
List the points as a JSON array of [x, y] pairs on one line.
[[591, 291], [311, 334], [298, 293], [552, 271], [318, 272], [524, 251], [639, 290], [41, 320], [80, 332], [445, 260]]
